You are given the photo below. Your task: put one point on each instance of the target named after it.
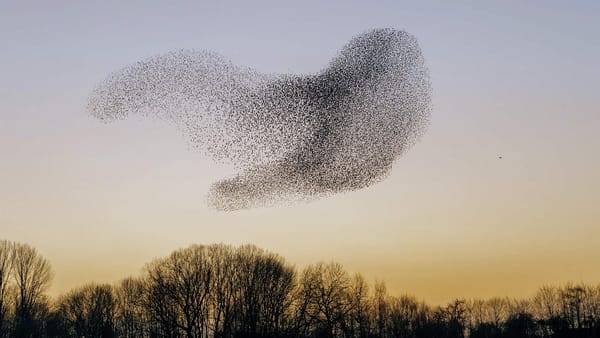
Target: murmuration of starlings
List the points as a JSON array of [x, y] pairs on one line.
[[289, 137]]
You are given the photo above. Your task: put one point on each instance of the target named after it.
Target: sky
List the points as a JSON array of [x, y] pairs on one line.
[[510, 78]]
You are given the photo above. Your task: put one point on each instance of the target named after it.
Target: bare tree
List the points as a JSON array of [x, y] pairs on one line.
[[264, 283], [381, 308], [591, 306], [224, 289], [32, 275], [180, 290], [88, 311], [456, 317], [572, 300], [326, 294], [6, 261], [159, 303], [131, 316], [360, 307], [404, 316], [546, 302]]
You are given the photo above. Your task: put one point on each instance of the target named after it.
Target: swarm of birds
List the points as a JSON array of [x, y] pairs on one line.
[[290, 137]]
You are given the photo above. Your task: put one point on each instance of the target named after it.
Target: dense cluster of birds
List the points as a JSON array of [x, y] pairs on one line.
[[290, 137]]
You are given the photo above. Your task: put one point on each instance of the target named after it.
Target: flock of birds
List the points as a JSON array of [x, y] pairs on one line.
[[290, 137]]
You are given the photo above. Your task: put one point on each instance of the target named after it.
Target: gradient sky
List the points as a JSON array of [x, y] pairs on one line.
[[511, 78]]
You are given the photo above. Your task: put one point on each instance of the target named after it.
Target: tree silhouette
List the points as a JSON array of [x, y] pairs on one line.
[[32, 275], [223, 291], [88, 311], [6, 262]]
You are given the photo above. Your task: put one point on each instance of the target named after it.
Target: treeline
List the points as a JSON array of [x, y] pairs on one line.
[[226, 291]]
